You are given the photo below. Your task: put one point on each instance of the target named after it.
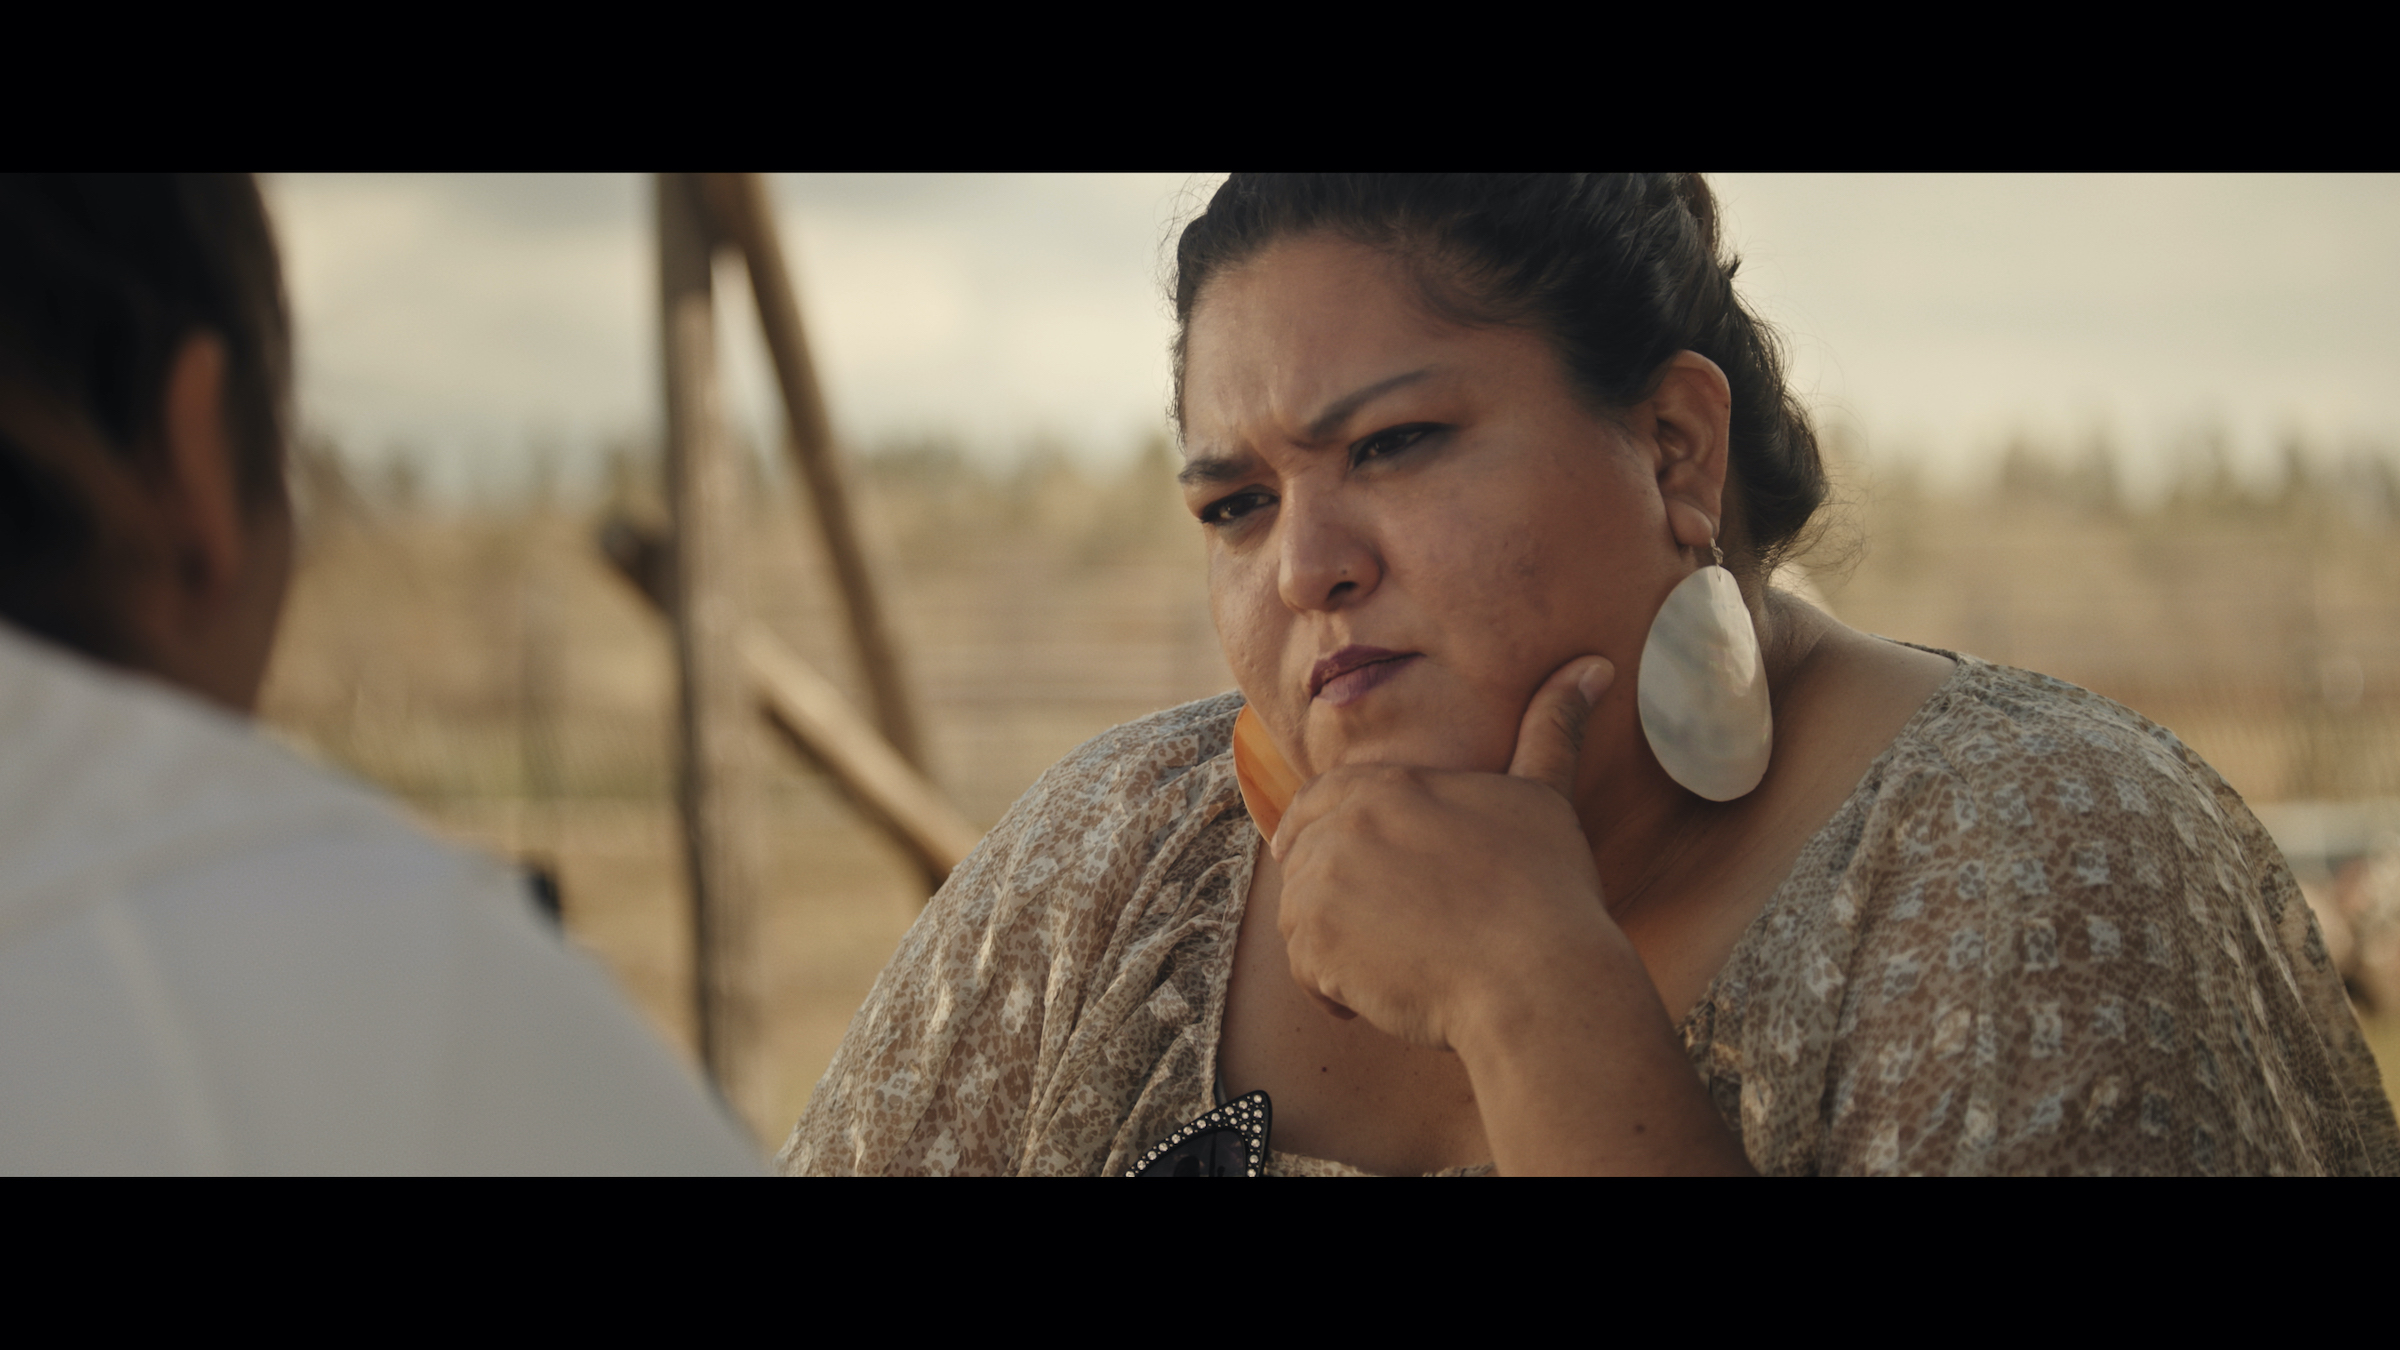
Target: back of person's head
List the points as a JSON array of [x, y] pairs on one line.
[[107, 282], [1618, 271]]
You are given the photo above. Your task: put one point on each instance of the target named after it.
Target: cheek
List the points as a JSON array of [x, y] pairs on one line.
[[1539, 577], [1250, 622], [1499, 563]]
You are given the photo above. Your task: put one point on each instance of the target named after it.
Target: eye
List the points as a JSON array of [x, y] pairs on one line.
[[1392, 441], [1227, 510]]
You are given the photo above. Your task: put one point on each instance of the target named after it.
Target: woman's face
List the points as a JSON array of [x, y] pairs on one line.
[[1411, 524]]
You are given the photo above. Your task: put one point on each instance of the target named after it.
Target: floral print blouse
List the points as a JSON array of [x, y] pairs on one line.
[[2041, 936]]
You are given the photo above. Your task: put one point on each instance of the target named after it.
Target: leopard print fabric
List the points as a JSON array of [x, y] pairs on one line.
[[2041, 936]]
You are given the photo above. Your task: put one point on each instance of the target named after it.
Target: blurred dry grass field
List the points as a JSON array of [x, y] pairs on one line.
[[492, 671], [489, 668]]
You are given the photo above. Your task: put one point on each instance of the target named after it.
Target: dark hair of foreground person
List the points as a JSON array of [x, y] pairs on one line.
[[102, 279]]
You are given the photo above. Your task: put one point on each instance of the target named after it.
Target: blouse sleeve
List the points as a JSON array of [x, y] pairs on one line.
[[933, 1076], [890, 1102], [1027, 1010], [2080, 953]]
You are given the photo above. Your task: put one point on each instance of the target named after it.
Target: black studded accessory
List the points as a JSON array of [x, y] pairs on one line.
[[1230, 1141]]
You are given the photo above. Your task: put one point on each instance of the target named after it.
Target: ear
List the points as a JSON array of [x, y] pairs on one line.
[[199, 496], [1690, 415]]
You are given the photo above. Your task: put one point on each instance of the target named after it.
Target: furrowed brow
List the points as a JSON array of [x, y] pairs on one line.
[[1214, 470], [1344, 408]]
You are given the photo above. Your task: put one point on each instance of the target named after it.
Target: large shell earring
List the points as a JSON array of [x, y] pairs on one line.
[[1704, 688]]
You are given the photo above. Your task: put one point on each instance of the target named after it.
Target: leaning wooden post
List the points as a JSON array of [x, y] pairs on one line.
[[717, 767], [739, 203], [822, 725]]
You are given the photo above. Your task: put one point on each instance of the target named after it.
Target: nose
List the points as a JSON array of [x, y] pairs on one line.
[[1327, 562]]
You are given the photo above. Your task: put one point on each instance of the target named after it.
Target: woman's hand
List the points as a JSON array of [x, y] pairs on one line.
[[1414, 895], [1462, 911]]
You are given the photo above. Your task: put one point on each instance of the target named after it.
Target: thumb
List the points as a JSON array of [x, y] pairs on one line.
[[1550, 740]]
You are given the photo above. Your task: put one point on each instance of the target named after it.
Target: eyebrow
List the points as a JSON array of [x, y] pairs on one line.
[[1341, 409], [1213, 470], [1223, 469]]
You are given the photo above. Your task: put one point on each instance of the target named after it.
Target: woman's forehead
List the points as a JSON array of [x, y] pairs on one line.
[[1304, 334]]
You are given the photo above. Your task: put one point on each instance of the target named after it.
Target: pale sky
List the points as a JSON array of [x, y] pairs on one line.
[[472, 318]]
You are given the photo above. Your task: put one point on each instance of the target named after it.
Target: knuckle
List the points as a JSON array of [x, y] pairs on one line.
[[1369, 780]]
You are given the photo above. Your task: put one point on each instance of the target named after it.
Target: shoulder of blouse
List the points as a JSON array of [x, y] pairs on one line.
[[1073, 823], [2058, 915], [1020, 947], [2034, 764]]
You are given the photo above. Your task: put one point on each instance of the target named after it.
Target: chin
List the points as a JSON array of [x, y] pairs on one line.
[[1422, 747]]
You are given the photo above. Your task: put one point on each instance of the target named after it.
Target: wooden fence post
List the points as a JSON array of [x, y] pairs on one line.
[[821, 724], [739, 203], [717, 768]]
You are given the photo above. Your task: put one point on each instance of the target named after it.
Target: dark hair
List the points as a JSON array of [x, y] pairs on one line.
[[103, 277], [1619, 271]]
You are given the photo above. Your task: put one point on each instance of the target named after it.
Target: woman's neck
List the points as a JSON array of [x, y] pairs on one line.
[[1644, 826]]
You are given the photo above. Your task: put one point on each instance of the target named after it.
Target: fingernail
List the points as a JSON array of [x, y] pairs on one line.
[[1594, 680]]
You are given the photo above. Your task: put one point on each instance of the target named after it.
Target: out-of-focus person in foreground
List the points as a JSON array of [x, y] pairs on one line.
[[1543, 835], [214, 957]]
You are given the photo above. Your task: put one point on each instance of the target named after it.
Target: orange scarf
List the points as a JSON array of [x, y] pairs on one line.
[[1267, 779]]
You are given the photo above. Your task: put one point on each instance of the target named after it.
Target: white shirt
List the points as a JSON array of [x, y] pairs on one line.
[[218, 958]]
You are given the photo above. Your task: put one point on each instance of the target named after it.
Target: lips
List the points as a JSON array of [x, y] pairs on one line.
[[1348, 674]]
